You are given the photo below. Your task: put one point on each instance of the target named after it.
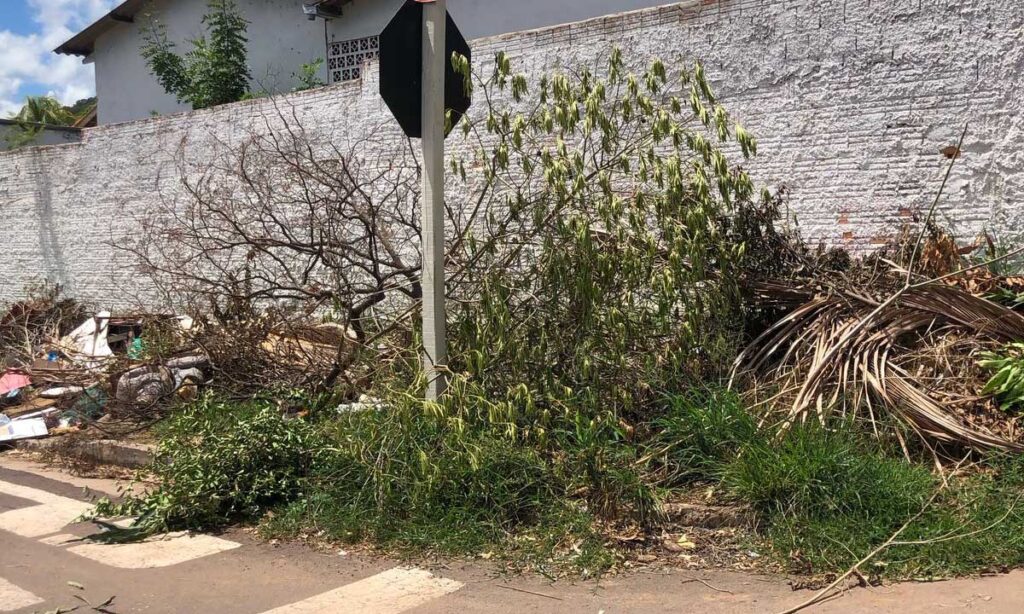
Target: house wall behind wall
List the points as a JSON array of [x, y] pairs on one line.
[[852, 102], [481, 18], [281, 40], [48, 136]]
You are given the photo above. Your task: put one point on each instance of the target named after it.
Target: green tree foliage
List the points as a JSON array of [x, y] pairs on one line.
[[45, 110], [37, 113], [610, 271], [82, 106], [214, 72], [309, 76]]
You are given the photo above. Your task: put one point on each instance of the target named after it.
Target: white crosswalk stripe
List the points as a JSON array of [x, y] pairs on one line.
[[389, 592], [55, 512], [158, 551], [51, 515], [14, 598]]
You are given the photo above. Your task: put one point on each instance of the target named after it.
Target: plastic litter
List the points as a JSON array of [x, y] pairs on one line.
[[13, 380], [87, 344], [23, 428]]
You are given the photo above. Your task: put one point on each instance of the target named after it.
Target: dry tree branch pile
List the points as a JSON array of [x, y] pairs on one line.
[[872, 342], [286, 220], [44, 315], [289, 248], [898, 334]]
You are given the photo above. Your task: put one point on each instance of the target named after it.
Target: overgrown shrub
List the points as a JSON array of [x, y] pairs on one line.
[[219, 461], [402, 476], [977, 524], [606, 275], [416, 478], [598, 269], [596, 273]]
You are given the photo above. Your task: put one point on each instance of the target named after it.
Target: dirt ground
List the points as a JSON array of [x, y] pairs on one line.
[[44, 565]]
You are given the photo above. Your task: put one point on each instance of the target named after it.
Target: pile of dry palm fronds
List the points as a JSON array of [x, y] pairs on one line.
[[877, 342]]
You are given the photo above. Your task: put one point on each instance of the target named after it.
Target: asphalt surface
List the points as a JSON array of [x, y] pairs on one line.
[[45, 564]]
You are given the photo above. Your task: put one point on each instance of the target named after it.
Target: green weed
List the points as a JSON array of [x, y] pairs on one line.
[[413, 481], [819, 472], [1007, 381], [699, 434]]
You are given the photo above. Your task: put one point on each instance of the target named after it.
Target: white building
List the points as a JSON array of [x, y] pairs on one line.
[[285, 34]]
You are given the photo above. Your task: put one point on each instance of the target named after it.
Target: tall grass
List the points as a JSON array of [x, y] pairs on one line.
[[828, 497]]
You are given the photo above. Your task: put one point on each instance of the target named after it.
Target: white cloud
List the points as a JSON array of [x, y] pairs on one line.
[[29, 59]]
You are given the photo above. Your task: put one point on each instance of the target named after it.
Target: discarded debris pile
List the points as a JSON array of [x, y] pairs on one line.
[[118, 374], [101, 374], [278, 352], [874, 341]]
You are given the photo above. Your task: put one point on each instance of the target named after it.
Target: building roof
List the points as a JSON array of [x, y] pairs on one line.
[[84, 42], [88, 119]]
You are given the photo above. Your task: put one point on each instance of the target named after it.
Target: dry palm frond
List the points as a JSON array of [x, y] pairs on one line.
[[841, 350]]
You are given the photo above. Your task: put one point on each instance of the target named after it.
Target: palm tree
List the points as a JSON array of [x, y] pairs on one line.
[[46, 111], [37, 113]]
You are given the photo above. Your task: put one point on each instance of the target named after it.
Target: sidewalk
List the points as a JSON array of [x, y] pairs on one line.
[[235, 573]]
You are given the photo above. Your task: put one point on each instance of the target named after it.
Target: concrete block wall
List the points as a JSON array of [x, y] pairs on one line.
[[852, 101]]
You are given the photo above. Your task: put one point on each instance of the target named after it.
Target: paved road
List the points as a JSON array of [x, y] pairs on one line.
[[41, 551]]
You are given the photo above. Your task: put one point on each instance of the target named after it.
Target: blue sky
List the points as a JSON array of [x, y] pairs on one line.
[[29, 30]]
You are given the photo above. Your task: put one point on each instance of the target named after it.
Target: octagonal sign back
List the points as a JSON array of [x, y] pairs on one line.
[[401, 68]]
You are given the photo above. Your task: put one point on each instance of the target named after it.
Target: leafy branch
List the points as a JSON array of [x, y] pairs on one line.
[[214, 71]]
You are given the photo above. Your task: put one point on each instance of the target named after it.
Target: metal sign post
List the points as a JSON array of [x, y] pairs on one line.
[[435, 347]]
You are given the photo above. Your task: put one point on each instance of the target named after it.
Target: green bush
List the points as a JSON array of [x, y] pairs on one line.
[[398, 468], [418, 480], [826, 497], [214, 70], [594, 297], [219, 461]]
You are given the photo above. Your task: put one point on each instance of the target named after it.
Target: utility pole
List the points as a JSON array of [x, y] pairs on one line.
[[435, 350]]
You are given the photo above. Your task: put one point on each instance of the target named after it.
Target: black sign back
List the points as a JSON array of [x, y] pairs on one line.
[[401, 68]]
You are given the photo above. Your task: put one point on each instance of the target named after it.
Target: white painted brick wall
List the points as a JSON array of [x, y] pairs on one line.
[[852, 101]]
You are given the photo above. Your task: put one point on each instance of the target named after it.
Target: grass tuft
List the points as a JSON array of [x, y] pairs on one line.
[[700, 433]]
